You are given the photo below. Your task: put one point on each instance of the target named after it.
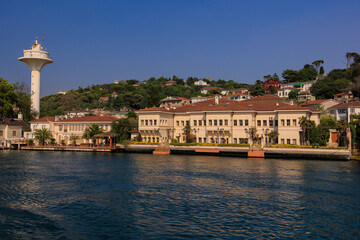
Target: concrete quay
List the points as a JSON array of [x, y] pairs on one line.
[[283, 153]]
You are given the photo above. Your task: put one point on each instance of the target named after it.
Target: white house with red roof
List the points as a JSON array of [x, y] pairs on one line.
[[343, 111], [173, 102]]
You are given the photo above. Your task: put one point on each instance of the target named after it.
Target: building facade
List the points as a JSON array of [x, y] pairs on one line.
[[226, 121], [12, 131]]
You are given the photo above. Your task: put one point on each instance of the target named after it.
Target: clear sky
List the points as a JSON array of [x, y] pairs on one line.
[[95, 42]]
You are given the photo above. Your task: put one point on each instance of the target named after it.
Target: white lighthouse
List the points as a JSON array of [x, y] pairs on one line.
[[36, 58]]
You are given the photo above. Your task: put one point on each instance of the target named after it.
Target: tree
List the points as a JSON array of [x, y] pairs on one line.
[[317, 64], [322, 71], [132, 114], [341, 126], [307, 125], [253, 134], [188, 136], [74, 138], [273, 135], [8, 98], [293, 94], [258, 89], [272, 89], [24, 101], [123, 126], [91, 131], [42, 135]]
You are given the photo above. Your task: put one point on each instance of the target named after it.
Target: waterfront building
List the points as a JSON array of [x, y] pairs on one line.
[[173, 102], [12, 131], [343, 111], [36, 58], [65, 128], [221, 120], [41, 123], [301, 86]]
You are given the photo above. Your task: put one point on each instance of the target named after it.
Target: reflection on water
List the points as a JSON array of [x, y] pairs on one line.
[[102, 196]]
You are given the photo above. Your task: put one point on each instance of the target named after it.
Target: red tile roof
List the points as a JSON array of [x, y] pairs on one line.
[[348, 104], [264, 98], [90, 119], [169, 99], [212, 88], [43, 119], [308, 102]]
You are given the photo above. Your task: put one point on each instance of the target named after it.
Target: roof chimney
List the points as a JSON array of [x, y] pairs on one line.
[[217, 98]]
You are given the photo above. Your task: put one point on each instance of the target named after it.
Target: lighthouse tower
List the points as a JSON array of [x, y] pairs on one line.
[[36, 58]]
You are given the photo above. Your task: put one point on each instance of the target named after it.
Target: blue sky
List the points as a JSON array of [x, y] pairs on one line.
[[94, 42]]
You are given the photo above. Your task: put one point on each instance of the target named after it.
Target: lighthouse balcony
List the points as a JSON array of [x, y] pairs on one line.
[[33, 54]]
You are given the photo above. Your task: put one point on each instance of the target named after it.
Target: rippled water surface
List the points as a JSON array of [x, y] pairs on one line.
[[54, 195]]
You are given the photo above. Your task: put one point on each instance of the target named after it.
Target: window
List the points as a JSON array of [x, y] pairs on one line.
[[241, 122], [150, 122], [177, 123], [220, 122], [200, 122], [14, 133], [212, 140], [146, 122], [271, 123], [195, 122], [246, 122], [352, 110], [155, 122], [235, 122], [282, 141], [294, 141], [204, 122], [282, 122], [199, 140], [157, 139], [258, 123], [287, 122], [287, 141], [187, 123], [276, 123], [294, 122], [235, 140], [226, 122], [215, 122], [342, 111], [264, 123], [204, 140], [210, 122], [182, 123]]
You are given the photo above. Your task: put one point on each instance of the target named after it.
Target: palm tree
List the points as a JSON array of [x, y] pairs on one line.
[[306, 125], [91, 131], [42, 135], [74, 138], [253, 134]]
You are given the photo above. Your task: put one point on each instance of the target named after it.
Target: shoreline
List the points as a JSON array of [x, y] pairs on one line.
[[282, 153]]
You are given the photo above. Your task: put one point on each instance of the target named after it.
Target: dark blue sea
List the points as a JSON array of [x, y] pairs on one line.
[[62, 195]]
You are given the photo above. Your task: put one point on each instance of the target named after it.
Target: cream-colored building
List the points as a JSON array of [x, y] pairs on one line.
[[63, 129], [226, 121], [12, 131]]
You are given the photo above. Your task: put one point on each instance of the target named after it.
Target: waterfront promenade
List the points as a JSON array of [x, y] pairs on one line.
[[302, 153]]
